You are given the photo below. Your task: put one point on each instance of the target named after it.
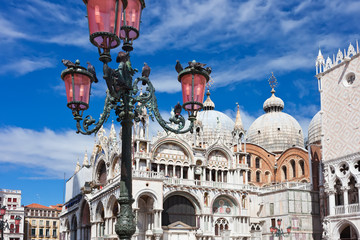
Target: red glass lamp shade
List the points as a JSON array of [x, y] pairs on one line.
[[271, 229], [78, 84], [130, 25], [288, 229], [279, 222], [104, 18], [17, 220], [193, 83], [2, 211]]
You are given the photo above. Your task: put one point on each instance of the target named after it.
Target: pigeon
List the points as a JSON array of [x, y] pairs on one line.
[[68, 63], [146, 71], [122, 57], [177, 109], [208, 69], [196, 65], [91, 70], [178, 66]]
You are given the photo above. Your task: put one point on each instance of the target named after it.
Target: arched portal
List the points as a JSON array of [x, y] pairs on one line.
[[100, 220], [348, 233], [178, 208], [85, 222], [73, 230], [145, 216]]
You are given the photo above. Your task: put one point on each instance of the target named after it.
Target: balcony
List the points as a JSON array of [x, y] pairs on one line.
[[348, 209], [147, 174], [209, 184], [339, 210], [223, 185], [353, 208], [142, 155]]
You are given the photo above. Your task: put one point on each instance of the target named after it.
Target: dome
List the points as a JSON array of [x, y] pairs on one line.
[[275, 130], [213, 119], [273, 103], [214, 123], [314, 134]]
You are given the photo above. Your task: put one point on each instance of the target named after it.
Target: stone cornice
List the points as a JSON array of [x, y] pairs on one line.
[[346, 158]]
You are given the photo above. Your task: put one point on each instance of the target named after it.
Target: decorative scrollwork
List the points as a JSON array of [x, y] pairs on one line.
[[149, 101], [89, 121]]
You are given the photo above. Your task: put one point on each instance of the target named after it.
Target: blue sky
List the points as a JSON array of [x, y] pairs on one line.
[[243, 42]]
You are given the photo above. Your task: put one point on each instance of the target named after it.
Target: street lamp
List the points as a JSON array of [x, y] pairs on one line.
[[110, 21], [4, 223], [278, 232]]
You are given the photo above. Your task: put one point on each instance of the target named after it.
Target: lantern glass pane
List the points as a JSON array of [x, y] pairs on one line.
[[81, 91], [101, 16], [198, 93], [17, 221], [132, 19], [2, 211]]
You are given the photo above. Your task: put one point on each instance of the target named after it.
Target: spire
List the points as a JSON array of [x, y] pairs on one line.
[[101, 132], [238, 122], [78, 167], [320, 56], [86, 160], [208, 104], [112, 135]]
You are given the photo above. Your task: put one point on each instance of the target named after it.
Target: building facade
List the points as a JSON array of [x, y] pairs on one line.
[[339, 87], [219, 182], [42, 222], [11, 199]]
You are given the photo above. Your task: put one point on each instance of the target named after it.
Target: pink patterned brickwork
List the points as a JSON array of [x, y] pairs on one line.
[[340, 103]]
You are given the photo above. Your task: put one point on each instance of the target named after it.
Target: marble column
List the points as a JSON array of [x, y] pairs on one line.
[[331, 194], [346, 198]]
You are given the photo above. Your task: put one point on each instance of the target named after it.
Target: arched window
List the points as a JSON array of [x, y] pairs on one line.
[[284, 170], [101, 173], [258, 176], [353, 193], [302, 167], [178, 171], [249, 176], [339, 195], [248, 160], [257, 162], [170, 171], [292, 163], [221, 225]]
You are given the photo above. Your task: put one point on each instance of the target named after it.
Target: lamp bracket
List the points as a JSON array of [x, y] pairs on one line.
[[123, 96]]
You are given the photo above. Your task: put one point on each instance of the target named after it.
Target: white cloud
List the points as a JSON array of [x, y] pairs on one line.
[[9, 31], [49, 153], [26, 65]]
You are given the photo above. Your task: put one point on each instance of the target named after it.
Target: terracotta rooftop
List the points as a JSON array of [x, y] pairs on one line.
[[36, 205]]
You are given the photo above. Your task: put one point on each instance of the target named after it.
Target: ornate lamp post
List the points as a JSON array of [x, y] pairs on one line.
[[4, 224], [110, 21], [278, 232]]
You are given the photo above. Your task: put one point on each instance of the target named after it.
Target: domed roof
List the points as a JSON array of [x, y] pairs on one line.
[[213, 119], [314, 134], [208, 104], [214, 123], [273, 103], [275, 130]]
